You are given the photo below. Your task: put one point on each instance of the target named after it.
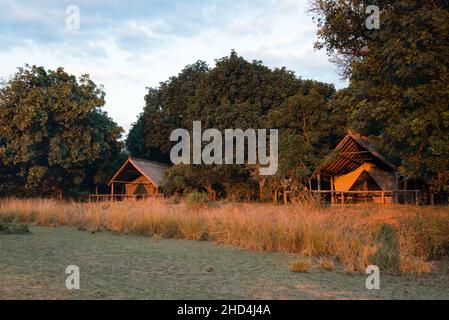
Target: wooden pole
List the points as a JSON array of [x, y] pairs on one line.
[[319, 186], [342, 198], [112, 191], [396, 188], [332, 189], [383, 198]]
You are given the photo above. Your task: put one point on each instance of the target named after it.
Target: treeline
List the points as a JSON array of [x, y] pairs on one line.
[[237, 94], [54, 138], [398, 97]]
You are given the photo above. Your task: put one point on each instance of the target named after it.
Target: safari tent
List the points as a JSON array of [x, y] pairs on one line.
[[136, 179], [356, 173]]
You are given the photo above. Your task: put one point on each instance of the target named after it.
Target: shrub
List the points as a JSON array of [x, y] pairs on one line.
[[300, 265], [197, 199], [387, 257]]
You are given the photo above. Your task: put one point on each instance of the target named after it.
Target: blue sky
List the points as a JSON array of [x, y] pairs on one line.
[[130, 45]]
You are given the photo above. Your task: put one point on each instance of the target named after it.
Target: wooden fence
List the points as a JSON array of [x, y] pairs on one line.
[[380, 197]]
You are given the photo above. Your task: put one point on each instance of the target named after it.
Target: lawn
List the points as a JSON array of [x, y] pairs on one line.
[[32, 266]]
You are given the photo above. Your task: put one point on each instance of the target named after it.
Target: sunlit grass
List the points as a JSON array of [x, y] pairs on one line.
[[353, 236]]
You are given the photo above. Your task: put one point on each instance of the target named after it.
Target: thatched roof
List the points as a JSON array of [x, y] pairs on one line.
[[133, 168], [351, 153]]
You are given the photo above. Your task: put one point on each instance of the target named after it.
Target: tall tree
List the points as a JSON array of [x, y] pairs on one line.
[[53, 133], [165, 109], [398, 93], [235, 94]]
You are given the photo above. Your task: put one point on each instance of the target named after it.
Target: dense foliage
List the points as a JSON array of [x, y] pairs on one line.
[[54, 138], [237, 94], [399, 79]]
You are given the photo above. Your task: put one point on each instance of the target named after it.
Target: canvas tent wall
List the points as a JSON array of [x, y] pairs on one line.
[[382, 179]]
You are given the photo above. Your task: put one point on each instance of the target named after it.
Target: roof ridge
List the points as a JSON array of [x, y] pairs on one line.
[[148, 161]]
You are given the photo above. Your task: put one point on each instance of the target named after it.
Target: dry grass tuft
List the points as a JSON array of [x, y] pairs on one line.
[[398, 239], [326, 264], [300, 265]]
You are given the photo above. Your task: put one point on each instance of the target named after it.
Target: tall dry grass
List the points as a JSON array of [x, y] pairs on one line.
[[398, 239]]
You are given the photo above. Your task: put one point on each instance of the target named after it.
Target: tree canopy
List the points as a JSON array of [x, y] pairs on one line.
[[398, 93], [237, 94], [54, 137]]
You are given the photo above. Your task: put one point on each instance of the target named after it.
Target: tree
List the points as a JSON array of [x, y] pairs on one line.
[[53, 133], [235, 94], [309, 129], [398, 94], [164, 111]]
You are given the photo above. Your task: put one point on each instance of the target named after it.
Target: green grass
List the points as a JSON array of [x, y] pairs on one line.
[[132, 267]]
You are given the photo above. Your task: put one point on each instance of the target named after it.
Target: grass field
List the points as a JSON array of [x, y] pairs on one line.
[[399, 239], [32, 266]]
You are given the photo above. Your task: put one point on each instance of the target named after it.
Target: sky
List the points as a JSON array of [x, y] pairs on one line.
[[128, 46]]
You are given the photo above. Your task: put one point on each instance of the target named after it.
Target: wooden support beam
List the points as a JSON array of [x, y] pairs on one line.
[[332, 189], [396, 188], [112, 191]]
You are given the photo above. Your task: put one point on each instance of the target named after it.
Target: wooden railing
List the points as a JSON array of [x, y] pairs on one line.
[[121, 197], [381, 197]]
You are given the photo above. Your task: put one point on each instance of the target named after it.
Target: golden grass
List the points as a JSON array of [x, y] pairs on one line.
[[326, 264], [300, 265], [351, 235]]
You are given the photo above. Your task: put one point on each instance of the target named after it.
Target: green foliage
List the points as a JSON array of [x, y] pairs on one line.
[[197, 199], [387, 258], [398, 94], [238, 94], [54, 138]]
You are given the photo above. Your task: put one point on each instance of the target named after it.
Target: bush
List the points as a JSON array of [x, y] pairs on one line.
[[14, 229], [197, 199], [387, 257]]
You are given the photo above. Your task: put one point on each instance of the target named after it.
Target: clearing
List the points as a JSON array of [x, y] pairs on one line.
[[134, 267]]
